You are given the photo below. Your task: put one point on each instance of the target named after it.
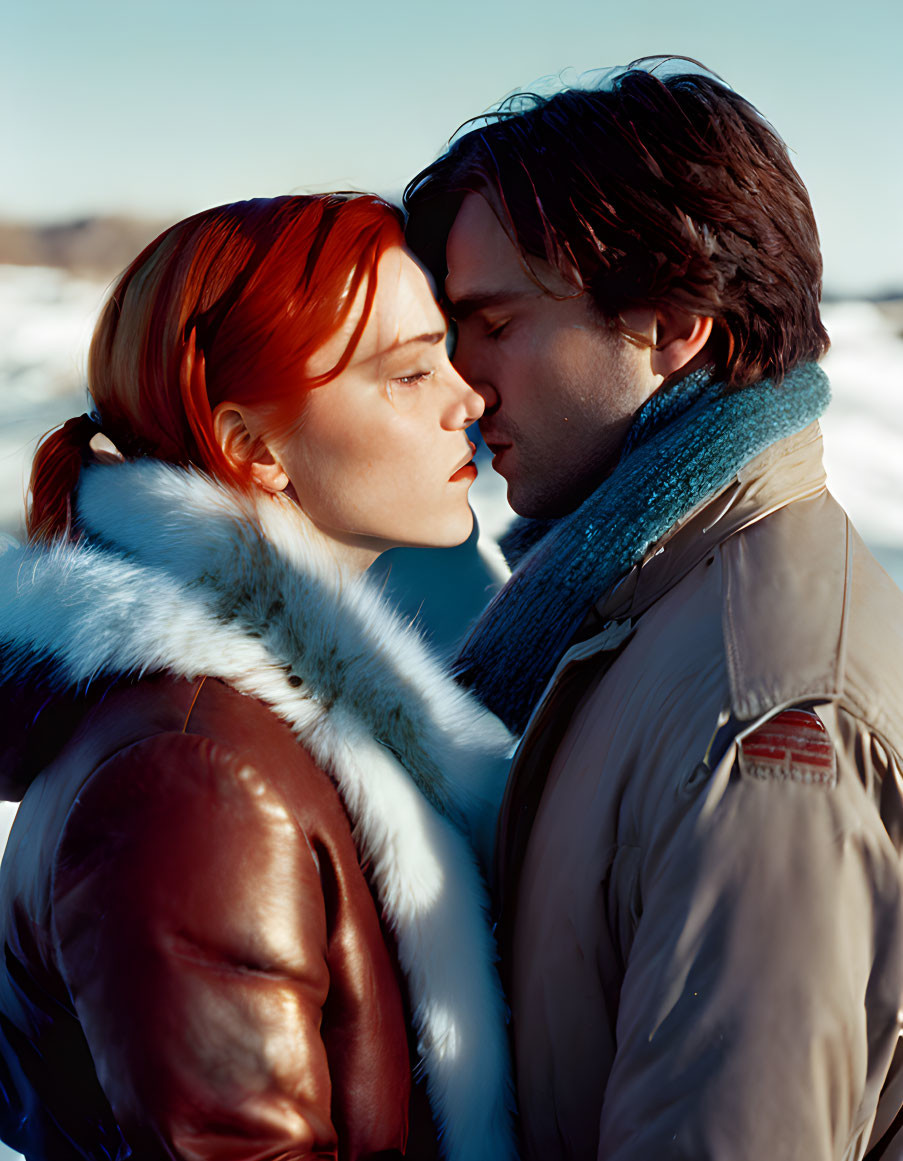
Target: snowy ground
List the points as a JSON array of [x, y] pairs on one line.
[[46, 317]]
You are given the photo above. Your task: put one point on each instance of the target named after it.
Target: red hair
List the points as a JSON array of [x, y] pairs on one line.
[[226, 305]]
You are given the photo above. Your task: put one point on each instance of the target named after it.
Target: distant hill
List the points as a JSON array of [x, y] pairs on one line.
[[98, 247], [892, 307]]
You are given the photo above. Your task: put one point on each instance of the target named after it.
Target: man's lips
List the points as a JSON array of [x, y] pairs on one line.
[[498, 449]]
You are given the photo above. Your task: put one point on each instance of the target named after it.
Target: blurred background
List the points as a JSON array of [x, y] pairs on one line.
[[120, 116]]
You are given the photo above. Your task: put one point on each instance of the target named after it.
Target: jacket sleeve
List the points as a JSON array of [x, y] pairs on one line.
[[761, 1000], [191, 928]]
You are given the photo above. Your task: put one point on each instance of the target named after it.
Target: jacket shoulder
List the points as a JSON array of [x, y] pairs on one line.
[[185, 840], [228, 775], [809, 615], [172, 790], [792, 746], [251, 732]]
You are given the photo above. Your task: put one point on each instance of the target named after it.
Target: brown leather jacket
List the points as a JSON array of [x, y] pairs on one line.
[[183, 906], [702, 895], [205, 936]]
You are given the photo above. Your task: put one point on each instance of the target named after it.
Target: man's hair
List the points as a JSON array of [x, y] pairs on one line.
[[651, 189]]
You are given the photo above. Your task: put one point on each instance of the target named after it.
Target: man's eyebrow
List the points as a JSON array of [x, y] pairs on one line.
[[464, 307]]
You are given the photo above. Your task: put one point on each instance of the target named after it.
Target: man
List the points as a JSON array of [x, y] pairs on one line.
[[699, 873]]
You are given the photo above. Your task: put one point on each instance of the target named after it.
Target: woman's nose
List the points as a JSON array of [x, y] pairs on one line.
[[468, 404], [475, 404]]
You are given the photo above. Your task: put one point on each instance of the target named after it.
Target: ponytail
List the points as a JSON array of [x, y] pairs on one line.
[[54, 477]]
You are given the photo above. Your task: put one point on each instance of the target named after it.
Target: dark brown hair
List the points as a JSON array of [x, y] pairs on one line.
[[650, 189]]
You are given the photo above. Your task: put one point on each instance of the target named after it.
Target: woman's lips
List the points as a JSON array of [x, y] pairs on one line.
[[468, 470]]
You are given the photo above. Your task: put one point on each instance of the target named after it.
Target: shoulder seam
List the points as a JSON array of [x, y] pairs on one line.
[[197, 694]]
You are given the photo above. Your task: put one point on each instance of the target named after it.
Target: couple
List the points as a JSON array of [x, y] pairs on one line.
[[257, 818]]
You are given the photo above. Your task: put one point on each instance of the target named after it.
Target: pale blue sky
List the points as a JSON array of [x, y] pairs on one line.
[[164, 108]]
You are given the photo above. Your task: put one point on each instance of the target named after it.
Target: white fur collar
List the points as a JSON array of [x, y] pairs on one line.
[[176, 576]]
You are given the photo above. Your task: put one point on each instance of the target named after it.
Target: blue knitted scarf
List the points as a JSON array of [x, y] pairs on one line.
[[685, 444]]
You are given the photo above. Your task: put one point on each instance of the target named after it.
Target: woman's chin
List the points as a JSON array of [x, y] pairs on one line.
[[446, 534]]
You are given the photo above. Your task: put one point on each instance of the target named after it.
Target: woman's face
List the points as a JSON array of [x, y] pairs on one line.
[[380, 456]]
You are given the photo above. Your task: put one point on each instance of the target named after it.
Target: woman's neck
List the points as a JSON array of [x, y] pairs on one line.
[[352, 553]]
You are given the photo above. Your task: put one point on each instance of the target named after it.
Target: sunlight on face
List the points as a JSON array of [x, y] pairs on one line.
[[561, 386], [380, 456]]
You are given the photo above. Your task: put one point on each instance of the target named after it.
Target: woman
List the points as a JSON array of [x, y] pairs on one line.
[[249, 794]]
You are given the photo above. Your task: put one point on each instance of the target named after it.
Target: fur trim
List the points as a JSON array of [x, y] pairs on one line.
[[178, 574]]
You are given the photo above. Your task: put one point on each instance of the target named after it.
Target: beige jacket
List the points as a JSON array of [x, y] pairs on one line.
[[704, 950]]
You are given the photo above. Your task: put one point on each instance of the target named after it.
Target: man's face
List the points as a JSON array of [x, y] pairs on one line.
[[560, 384]]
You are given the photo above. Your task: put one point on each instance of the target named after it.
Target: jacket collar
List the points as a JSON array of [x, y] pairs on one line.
[[789, 470], [177, 574]]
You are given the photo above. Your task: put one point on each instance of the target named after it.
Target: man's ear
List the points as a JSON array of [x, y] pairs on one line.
[[678, 340], [245, 450]]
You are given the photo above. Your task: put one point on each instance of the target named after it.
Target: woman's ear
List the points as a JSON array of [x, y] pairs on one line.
[[245, 450], [679, 339]]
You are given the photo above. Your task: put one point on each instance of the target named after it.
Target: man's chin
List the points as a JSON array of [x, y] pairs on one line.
[[541, 506], [533, 495], [525, 505]]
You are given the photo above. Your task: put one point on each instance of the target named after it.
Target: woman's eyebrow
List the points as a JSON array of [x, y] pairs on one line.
[[429, 339]]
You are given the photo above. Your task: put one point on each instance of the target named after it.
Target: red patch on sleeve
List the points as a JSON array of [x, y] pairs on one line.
[[793, 746]]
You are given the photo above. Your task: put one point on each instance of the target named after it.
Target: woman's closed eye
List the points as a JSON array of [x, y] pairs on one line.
[[407, 385], [413, 379]]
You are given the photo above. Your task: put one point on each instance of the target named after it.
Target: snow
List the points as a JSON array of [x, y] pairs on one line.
[[46, 319], [863, 427]]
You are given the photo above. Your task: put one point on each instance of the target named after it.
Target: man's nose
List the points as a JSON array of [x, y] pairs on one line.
[[489, 395]]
